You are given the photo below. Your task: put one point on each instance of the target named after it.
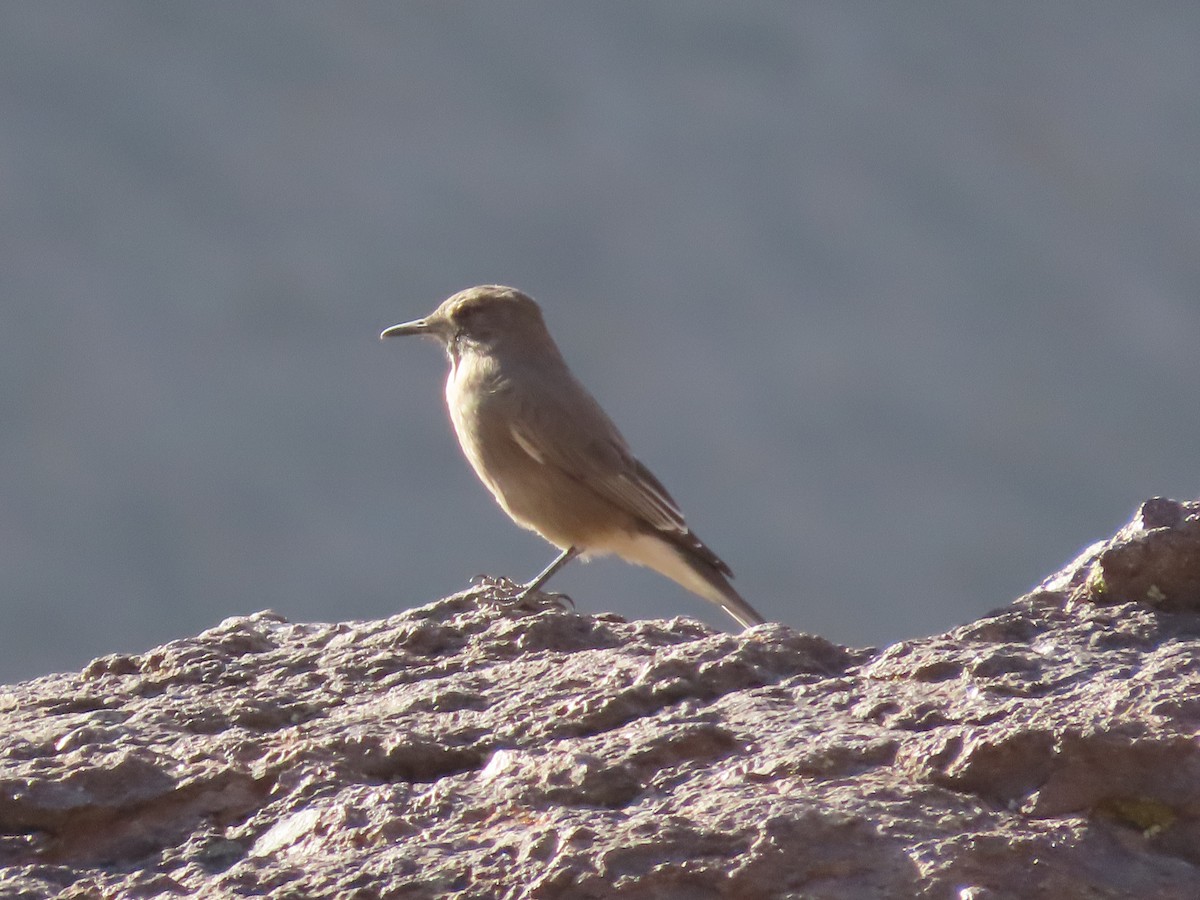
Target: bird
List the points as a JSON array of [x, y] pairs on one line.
[[552, 458]]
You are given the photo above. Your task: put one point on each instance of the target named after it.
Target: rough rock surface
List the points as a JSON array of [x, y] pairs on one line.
[[461, 750]]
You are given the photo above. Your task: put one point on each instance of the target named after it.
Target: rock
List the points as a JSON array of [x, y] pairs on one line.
[[1047, 750], [1154, 560]]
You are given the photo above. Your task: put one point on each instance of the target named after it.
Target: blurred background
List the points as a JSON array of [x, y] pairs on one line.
[[902, 302]]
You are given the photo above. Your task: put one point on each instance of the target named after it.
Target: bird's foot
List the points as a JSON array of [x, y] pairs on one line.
[[507, 594]]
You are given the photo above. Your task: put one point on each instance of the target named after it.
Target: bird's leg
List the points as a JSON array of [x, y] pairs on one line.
[[536, 585], [507, 593]]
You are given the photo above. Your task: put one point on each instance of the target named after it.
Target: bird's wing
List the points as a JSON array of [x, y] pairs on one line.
[[587, 447]]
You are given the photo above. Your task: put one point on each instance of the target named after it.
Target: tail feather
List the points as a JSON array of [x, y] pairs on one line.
[[701, 573], [733, 603]]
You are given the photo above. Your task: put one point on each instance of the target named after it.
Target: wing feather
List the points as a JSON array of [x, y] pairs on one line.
[[583, 443]]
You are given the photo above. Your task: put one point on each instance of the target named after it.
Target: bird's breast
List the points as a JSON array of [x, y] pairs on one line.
[[476, 396], [505, 423]]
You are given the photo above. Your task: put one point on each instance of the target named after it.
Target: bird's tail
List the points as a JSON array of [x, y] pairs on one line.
[[693, 566], [722, 593]]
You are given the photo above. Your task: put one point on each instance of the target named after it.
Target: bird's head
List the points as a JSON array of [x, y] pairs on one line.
[[485, 316]]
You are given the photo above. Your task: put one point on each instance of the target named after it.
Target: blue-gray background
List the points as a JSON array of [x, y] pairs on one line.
[[902, 301]]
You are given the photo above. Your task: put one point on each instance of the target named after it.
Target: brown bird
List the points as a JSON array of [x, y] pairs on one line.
[[550, 455]]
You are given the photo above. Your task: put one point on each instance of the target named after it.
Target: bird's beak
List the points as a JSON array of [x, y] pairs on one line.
[[417, 326]]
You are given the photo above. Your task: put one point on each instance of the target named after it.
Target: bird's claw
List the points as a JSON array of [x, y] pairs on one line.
[[507, 594], [497, 589], [551, 600]]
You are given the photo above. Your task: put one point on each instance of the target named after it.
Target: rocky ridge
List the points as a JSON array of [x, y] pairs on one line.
[[461, 750]]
